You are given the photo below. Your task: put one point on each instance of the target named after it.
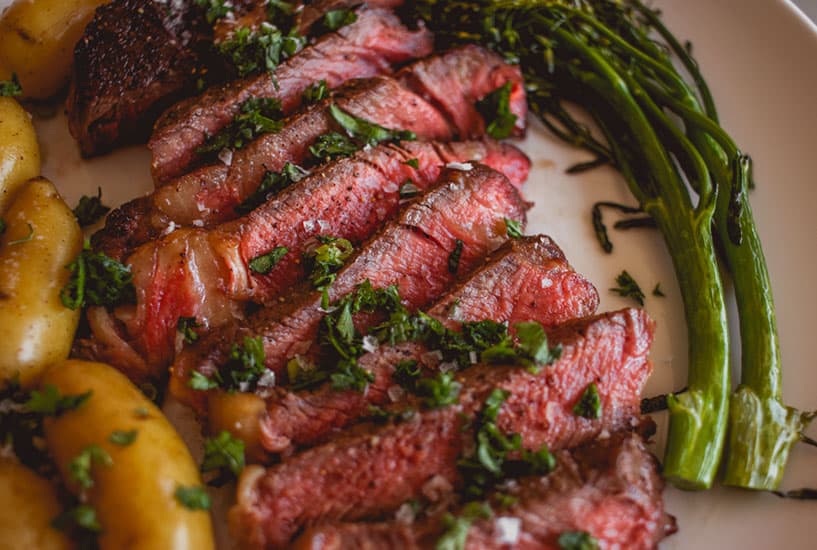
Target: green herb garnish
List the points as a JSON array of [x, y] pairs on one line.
[[496, 111], [366, 131], [256, 117], [439, 391], [577, 540], [454, 257], [513, 228], [628, 288], [80, 466], [264, 263], [316, 92], [251, 51], [50, 402], [456, 527], [214, 9], [223, 452], [323, 262], [192, 498], [123, 438], [272, 184], [11, 88], [90, 210], [97, 280], [414, 163], [598, 223], [199, 382], [186, 326], [335, 19], [589, 403], [82, 516], [332, 145]]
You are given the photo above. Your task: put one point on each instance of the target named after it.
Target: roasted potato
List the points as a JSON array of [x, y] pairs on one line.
[[19, 152], [41, 237], [240, 414], [29, 505], [134, 494], [37, 39]]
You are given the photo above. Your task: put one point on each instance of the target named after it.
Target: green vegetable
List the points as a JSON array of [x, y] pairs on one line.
[[454, 257], [598, 223], [223, 452], [272, 184], [11, 88], [214, 9], [186, 327], [323, 262], [90, 210], [97, 280], [496, 111], [513, 228], [49, 402], [80, 465], [251, 51], [335, 19], [256, 117], [332, 145], [589, 403], [628, 288], [264, 263], [123, 438], [456, 527], [192, 498], [316, 92], [577, 540]]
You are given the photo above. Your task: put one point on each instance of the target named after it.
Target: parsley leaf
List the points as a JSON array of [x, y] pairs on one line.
[[349, 376], [454, 257], [50, 402], [214, 9], [257, 116], [533, 343], [414, 163], [223, 452], [335, 19], [577, 540], [456, 527], [11, 88], [325, 260], [272, 184], [192, 498], [97, 280], [80, 465], [246, 364], [82, 516], [123, 438], [406, 374], [90, 210], [316, 92], [199, 382], [252, 51], [628, 288], [365, 131], [513, 228], [332, 145], [186, 327], [439, 391], [263, 264], [589, 403], [496, 110]]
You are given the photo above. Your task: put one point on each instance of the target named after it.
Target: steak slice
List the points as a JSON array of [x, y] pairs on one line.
[[369, 474], [209, 195], [365, 48], [465, 210], [508, 288], [134, 58], [610, 489], [205, 274]]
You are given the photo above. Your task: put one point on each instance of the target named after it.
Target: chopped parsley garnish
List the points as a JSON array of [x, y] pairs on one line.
[[214, 9], [456, 527], [80, 466], [23, 239], [332, 145], [272, 184], [252, 51], [11, 88], [365, 131], [414, 163], [407, 373], [533, 344], [513, 228], [589, 404], [264, 263], [186, 326], [50, 402], [496, 111], [439, 391], [243, 370], [316, 92], [454, 257], [409, 190], [257, 116], [225, 453], [82, 516], [628, 288], [90, 210], [323, 262], [97, 280], [349, 375], [658, 292], [199, 382], [123, 438], [335, 19], [577, 540], [192, 498]]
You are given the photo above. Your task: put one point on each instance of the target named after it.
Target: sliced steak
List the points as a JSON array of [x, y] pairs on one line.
[[365, 48], [610, 489], [370, 474], [527, 279], [205, 274], [210, 194], [134, 58], [465, 210]]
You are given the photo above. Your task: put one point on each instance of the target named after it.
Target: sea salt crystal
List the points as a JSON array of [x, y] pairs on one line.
[[464, 166], [508, 530], [395, 393], [226, 156], [546, 283], [405, 514], [370, 343]]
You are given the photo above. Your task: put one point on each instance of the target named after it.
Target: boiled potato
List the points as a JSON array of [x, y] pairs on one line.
[[240, 414], [41, 237], [133, 495], [37, 39], [29, 505], [19, 152]]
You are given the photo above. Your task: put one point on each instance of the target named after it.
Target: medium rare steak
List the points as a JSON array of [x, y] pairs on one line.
[[134, 58], [370, 474], [610, 489], [465, 211], [365, 48], [205, 274], [210, 194], [527, 279]]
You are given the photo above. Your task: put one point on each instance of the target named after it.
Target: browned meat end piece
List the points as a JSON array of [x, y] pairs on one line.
[[370, 474], [610, 489], [527, 279], [465, 210]]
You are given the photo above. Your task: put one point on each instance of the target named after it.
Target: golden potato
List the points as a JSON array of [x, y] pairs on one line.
[[240, 414], [133, 495], [29, 505], [19, 152], [37, 38], [41, 237]]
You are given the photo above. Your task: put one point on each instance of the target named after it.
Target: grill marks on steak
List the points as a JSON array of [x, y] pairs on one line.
[[204, 273], [610, 489], [411, 252], [134, 58], [363, 49], [209, 194], [359, 475], [526, 279]]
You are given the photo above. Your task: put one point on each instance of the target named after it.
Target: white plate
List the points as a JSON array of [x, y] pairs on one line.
[[759, 58]]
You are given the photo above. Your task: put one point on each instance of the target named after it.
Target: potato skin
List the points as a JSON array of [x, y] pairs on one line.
[[134, 497], [37, 328], [19, 151], [37, 38], [29, 505]]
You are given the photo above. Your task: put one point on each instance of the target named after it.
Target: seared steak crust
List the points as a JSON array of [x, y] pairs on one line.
[[610, 489], [411, 252], [526, 279], [366, 48], [366, 475]]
